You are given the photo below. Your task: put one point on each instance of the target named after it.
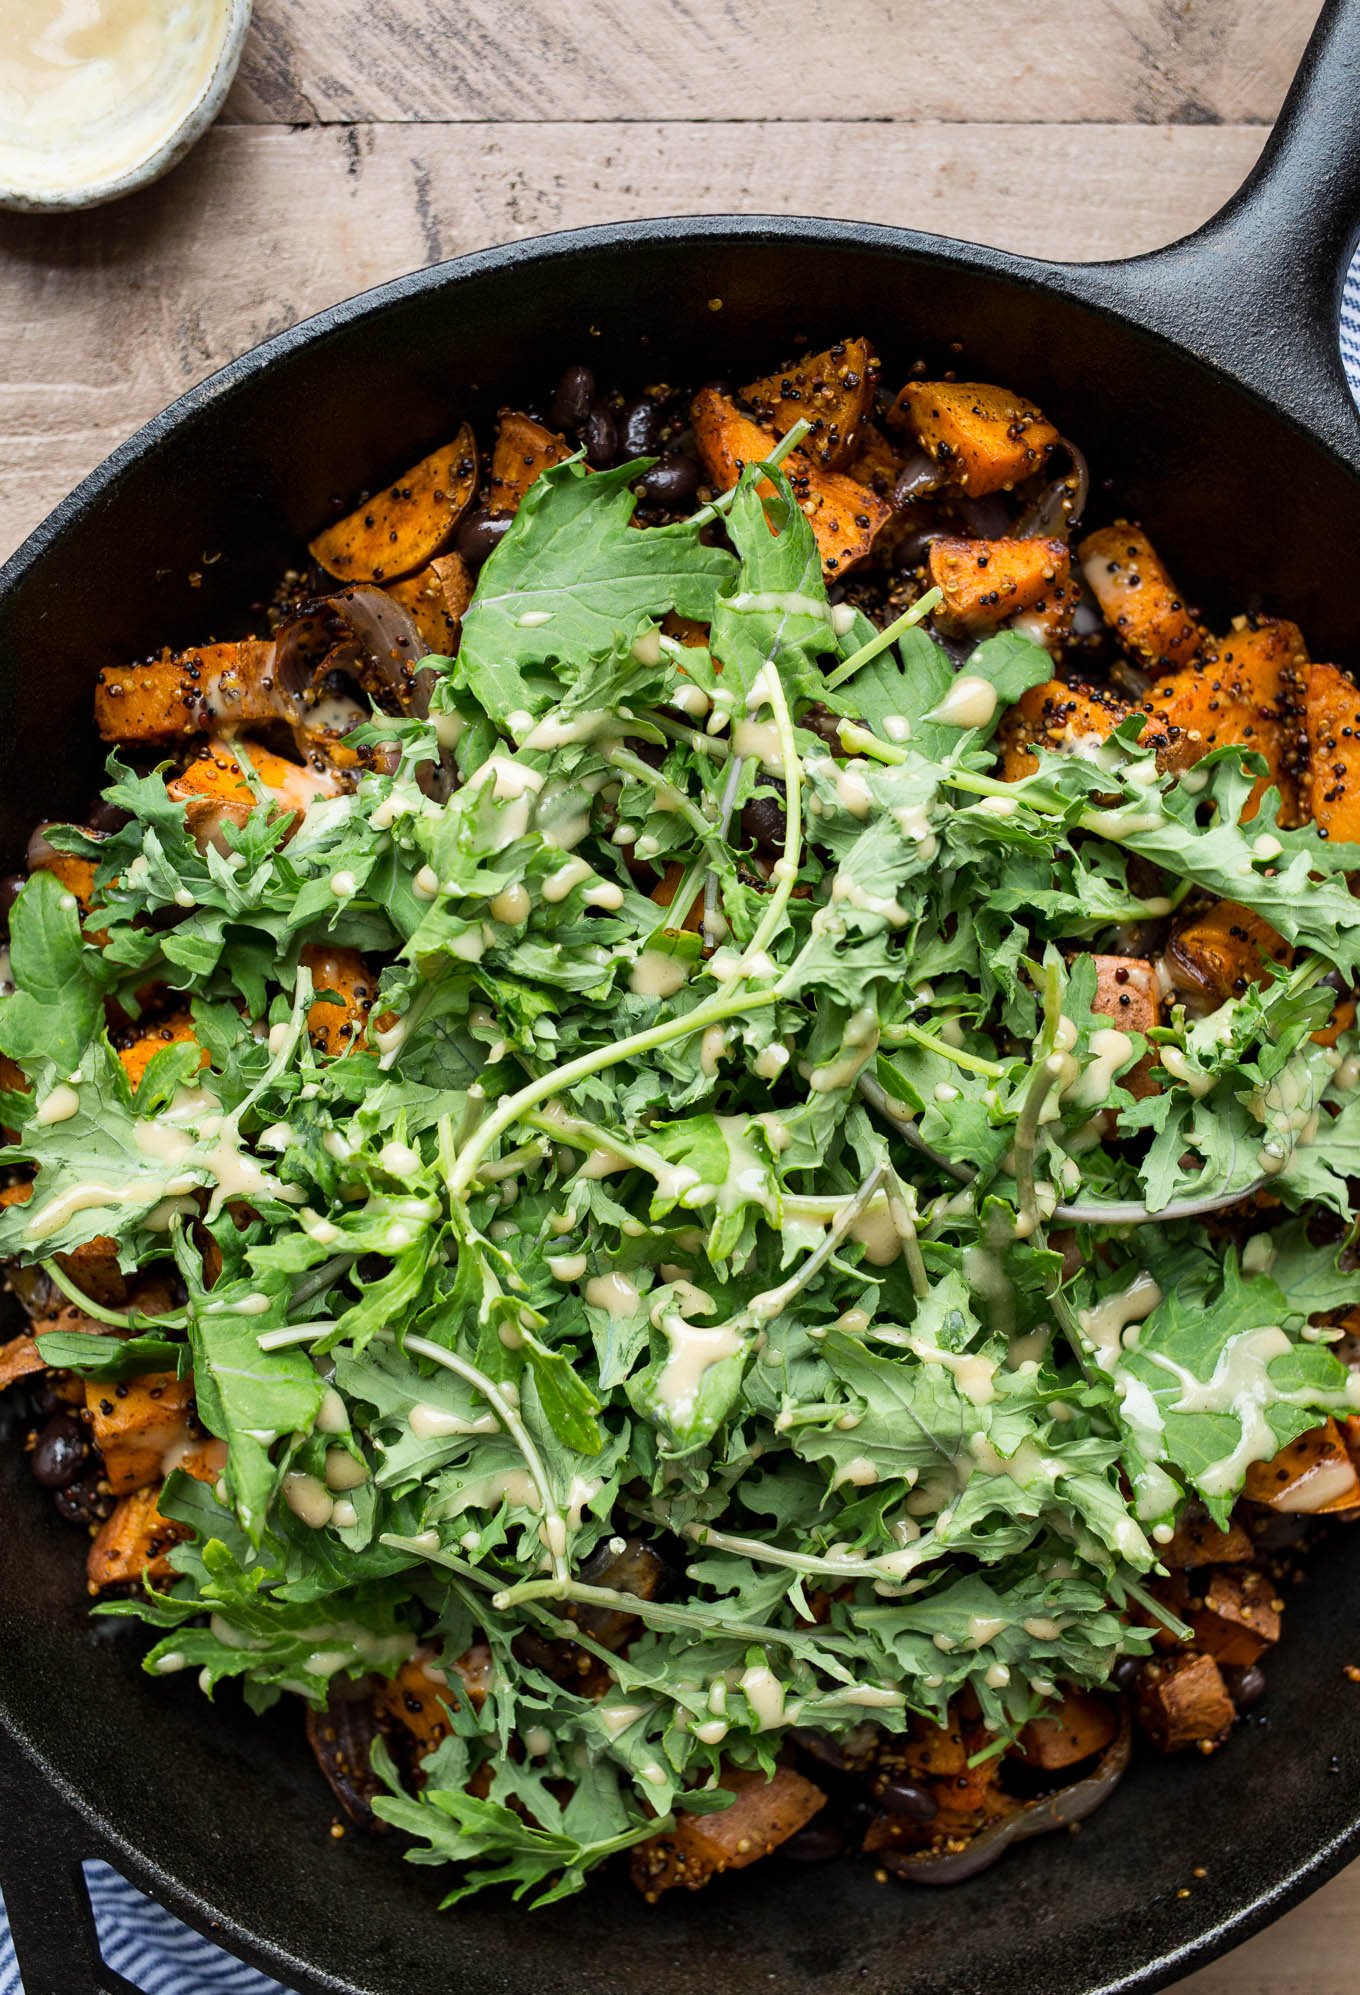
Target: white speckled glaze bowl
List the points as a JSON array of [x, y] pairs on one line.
[[171, 149]]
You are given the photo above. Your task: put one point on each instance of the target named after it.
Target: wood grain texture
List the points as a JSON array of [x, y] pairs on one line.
[[1140, 61], [1311, 1951], [105, 316]]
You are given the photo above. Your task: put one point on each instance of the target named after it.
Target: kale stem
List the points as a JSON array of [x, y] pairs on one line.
[[632, 765], [132, 1319], [554, 1523], [657, 1614], [971, 1063], [880, 641]]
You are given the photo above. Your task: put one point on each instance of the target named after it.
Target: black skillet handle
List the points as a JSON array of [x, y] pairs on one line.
[[1257, 290], [43, 1843]]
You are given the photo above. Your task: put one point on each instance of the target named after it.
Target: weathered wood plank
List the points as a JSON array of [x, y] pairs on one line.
[[1309, 1952], [105, 316], [1145, 61]]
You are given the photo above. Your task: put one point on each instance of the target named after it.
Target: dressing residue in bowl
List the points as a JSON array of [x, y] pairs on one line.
[[91, 90]]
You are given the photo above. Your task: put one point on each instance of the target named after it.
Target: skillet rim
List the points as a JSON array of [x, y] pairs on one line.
[[1110, 290]]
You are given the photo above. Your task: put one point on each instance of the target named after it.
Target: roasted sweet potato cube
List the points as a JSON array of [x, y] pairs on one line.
[[133, 1543], [1219, 951], [338, 1028], [877, 461], [175, 1030], [136, 1422], [1242, 697], [764, 1814], [18, 1359], [834, 391], [983, 439], [436, 598], [1199, 1542], [1314, 1473], [1331, 716], [986, 582], [74, 873], [935, 1751], [844, 516], [214, 790], [404, 526], [1083, 1724], [1068, 720], [1140, 602], [1127, 994], [1183, 1702], [188, 692], [1239, 1618], [418, 1697], [523, 450]]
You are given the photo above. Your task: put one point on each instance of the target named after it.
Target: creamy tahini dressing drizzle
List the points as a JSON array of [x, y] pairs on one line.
[[90, 89]]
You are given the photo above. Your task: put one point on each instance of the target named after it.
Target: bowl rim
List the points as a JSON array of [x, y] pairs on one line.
[[183, 136], [1066, 281]]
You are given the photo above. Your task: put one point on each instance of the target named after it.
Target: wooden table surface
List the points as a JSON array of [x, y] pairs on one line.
[[368, 137]]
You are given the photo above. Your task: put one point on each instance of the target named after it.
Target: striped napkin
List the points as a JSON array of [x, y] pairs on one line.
[[154, 1950]]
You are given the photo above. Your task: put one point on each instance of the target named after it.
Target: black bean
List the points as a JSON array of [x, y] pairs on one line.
[[908, 1799], [601, 438], [479, 535], [11, 886], [1124, 1673], [819, 1842], [572, 398], [104, 816], [1246, 1687], [60, 1453], [641, 421], [83, 1502], [672, 481], [763, 821]]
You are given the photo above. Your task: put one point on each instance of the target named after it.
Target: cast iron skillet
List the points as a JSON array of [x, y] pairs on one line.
[[1204, 381]]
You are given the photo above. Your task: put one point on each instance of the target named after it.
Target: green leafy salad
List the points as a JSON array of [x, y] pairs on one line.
[[736, 1163]]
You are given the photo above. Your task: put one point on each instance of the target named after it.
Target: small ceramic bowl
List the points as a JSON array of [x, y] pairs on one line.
[[168, 151]]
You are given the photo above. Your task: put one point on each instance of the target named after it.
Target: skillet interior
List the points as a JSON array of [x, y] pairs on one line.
[[223, 1816]]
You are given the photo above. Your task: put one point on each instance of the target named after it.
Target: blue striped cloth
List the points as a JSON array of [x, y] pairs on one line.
[[157, 1952]]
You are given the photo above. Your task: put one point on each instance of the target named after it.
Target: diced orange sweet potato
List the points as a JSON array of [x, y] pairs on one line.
[[419, 1695], [1239, 1618], [74, 873], [1331, 718], [844, 516], [187, 692], [523, 450], [176, 1030], [1183, 1702], [338, 1028], [214, 791], [18, 1359], [136, 1423], [403, 527], [1127, 994], [1126, 991], [1139, 600], [422, 596], [764, 1814], [985, 582], [1243, 697], [834, 391], [1081, 1725], [133, 1543], [1218, 952], [1069, 720], [1314, 1473], [984, 439], [1198, 1542], [877, 462]]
